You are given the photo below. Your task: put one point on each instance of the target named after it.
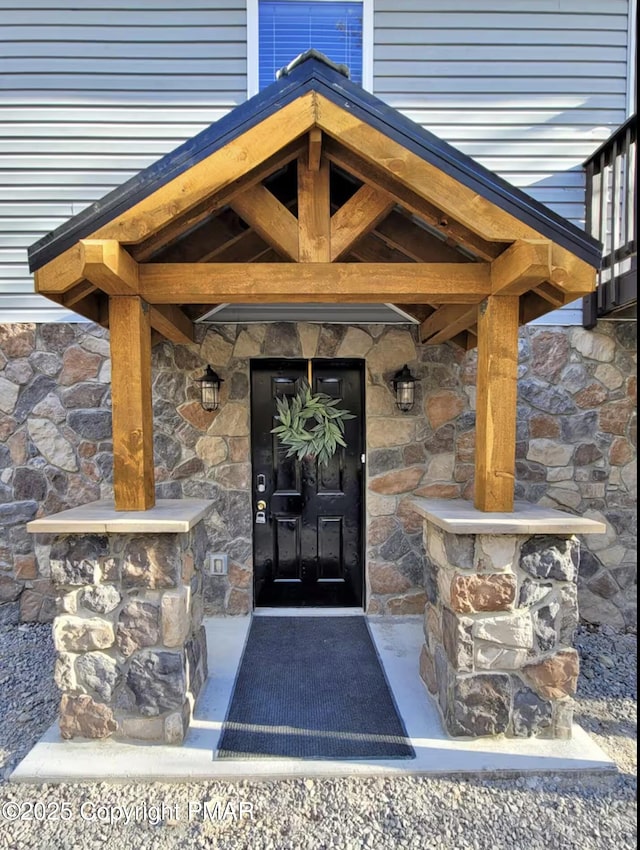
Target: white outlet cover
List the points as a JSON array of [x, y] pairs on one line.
[[217, 563]]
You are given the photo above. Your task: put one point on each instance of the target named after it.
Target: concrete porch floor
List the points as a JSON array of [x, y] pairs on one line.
[[398, 641]]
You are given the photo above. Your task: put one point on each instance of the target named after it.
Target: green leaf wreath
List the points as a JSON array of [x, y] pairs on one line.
[[296, 413]]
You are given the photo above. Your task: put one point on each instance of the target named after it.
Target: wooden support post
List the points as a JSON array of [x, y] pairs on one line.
[[133, 473], [497, 390], [314, 213]]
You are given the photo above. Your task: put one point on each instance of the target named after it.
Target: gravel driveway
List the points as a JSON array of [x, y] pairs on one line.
[[549, 812]]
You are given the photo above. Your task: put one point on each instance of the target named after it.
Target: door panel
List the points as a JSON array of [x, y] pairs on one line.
[[308, 550]]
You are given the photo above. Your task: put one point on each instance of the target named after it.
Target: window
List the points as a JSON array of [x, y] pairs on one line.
[[285, 28]]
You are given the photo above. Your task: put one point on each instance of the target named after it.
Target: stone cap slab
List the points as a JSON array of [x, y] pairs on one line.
[[461, 517], [168, 516]]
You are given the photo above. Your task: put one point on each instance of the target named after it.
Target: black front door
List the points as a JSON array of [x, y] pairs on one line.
[[307, 538]]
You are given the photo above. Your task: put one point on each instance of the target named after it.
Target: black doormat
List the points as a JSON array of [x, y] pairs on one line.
[[312, 687]]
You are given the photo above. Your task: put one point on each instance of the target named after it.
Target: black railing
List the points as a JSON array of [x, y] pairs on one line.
[[611, 218]]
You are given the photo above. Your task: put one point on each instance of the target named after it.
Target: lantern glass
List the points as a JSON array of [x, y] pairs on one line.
[[405, 395], [404, 385], [209, 389]]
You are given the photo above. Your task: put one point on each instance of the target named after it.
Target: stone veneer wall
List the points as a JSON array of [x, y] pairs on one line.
[[499, 627], [576, 446], [132, 653]]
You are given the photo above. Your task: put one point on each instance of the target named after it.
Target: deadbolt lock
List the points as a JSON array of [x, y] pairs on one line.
[[261, 505]]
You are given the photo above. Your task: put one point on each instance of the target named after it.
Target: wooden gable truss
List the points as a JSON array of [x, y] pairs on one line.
[[313, 204]]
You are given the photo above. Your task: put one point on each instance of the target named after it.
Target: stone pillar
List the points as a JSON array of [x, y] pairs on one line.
[[131, 647], [499, 621]]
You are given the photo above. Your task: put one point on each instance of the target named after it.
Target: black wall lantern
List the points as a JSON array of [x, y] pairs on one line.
[[209, 389], [404, 385]]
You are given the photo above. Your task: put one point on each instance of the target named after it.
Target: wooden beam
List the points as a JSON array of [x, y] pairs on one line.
[[464, 204], [463, 283], [402, 233], [246, 247], [410, 200], [496, 398], [314, 213], [172, 322], [94, 306], [202, 180], [532, 306], [419, 312], [552, 294], [268, 256], [523, 266], [571, 274], [197, 311], [212, 204], [371, 249], [465, 340], [465, 319], [314, 153], [220, 169], [80, 291], [60, 274], [201, 244], [243, 249], [358, 216], [269, 218], [109, 267], [439, 320], [133, 473]]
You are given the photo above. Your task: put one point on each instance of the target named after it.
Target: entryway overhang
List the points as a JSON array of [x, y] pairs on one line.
[[315, 193]]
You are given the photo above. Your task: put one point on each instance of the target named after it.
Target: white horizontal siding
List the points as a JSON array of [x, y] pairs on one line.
[[92, 92], [527, 87]]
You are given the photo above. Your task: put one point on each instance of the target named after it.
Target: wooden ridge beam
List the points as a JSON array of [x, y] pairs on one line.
[[496, 400], [314, 213], [269, 218], [523, 266], [357, 216], [168, 283], [372, 173]]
